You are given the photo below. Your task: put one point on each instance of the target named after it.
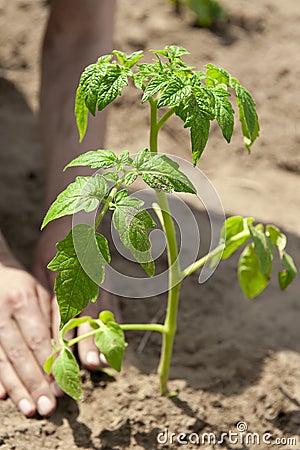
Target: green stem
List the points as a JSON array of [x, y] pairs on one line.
[[175, 275], [165, 117], [153, 126], [143, 327], [200, 262], [108, 200], [125, 327], [168, 338]]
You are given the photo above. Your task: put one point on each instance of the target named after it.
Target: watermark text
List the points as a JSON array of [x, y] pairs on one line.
[[240, 436]]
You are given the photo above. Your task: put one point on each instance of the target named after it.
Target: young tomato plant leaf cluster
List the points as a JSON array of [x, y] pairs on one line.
[[170, 87], [196, 97], [109, 338], [73, 286], [256, 260]]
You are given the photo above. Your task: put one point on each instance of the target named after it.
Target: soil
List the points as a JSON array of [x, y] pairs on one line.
[[235, 360]]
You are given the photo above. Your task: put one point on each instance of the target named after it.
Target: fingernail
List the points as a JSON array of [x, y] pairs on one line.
[[56, 390], [92, 358], [44, 406], [103, 360], [26, 407]]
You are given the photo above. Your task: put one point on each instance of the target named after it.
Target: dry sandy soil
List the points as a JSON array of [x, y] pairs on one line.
[[234, 360]]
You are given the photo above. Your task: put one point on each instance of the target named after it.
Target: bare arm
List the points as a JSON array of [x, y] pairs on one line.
[[78, 33]]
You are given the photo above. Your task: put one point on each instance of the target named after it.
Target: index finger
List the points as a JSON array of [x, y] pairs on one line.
[[34, 326]]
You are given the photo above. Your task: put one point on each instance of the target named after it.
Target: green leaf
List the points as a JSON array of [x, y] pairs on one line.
[[128, 60], [163, 52], [216, 75], [49, 362], [130, 178], [66, 374], [224, 112], [157, 83], [81, 112], [84, 194], [73, 323], [235, 232], [199, 136], [141, 157], [102, 244], [196, 113], [125, 158], [145, 72], [174, 92], [201, 103], [181, 111], [130, 201], [111, 342], [264, 249], [90, 81], [149, 267], [161, 173], [247, 115], [111, 176], [174, 52], [277, 238], [251, 278], [132, 225], [121, 195], [98, 159], [83, 253], [112, 83], [197, 77], [106, 316], [286, 276], [137, 231]]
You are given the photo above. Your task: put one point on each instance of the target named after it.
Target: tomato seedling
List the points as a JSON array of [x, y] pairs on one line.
[[207, 12], [170, 87]]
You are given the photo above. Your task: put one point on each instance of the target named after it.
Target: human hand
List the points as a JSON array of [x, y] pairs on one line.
[[25, 341]]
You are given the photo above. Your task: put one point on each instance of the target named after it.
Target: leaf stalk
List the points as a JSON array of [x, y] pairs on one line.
[[125, 327], [108, 201], [165, 117], [200, 262]]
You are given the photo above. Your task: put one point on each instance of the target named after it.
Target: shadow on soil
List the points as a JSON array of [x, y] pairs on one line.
[[21, 175], [69, 410], [288, 421], [226, 30]]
